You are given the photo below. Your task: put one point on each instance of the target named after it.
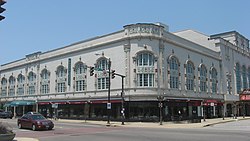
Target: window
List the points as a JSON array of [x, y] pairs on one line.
[[32, 83], [190, 76], [80, 80], [20, 84], [61, 87], [145, 80], [174, 73], [214, 80], [12, 86], [244, 77], [4, 87], [45, 83], [31, 90], [61, 79], [80, 68], [145, 59], [102, 78], [238, 78], [145, 67], [203, 78]]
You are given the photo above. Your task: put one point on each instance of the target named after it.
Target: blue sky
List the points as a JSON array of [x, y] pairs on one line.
[[40, 25]]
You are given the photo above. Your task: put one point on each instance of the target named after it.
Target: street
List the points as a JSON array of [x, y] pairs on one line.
[[231, 131]]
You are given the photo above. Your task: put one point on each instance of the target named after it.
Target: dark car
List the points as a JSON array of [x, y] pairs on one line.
[[35, 122], [5, 114]]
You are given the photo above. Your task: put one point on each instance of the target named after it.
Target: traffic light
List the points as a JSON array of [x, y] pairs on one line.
[[92, 69], [113, 74], [2, 2]]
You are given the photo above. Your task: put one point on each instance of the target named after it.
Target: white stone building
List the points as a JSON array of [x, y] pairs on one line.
[[194, 74]]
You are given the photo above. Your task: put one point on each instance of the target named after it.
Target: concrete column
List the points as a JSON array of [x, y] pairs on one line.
[[14, 111]]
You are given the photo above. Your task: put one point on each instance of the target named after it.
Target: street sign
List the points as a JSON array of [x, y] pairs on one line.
[[108, 106]]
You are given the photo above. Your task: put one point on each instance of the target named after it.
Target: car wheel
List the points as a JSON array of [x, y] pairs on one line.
[[34, 127], [20, 126], [50, 128]]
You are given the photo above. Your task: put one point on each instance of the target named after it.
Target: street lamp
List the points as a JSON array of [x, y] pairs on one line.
[[160, 99]]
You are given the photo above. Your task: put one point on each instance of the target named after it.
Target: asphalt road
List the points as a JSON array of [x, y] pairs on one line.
[[232, 131]]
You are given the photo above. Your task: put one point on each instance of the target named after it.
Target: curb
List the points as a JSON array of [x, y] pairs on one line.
[[24, 139]]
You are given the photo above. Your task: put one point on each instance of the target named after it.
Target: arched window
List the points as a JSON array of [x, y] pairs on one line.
[[174, 72], [203, 78], [12, 82], [214, 80], [45, 81], [238, 77], [80, 79], [244, 76], [32, 83], [145, 69], [102, 77], [4, 87], [61, 79], [189, 76], [20, 84]]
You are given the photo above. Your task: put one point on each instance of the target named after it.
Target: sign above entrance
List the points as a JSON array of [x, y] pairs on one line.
[[245, 95]]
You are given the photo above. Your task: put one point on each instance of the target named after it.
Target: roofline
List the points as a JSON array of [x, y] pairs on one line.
[[214, 36]]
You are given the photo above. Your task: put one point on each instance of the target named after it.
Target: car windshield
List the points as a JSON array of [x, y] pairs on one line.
[[37, 117]]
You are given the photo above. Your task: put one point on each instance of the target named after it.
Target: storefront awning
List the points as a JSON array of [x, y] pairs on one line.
[[22, 103], [6, 105]]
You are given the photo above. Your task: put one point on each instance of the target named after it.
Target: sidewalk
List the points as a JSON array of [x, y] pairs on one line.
[[207, 122]]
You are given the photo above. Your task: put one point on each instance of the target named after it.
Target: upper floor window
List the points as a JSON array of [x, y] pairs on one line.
[[4, 87], [203, 78], [189, 76], [45, 82], [45, 74], [145, 59], [20, 79], [61, 79], [12, 81], [244, 76], [145, 69], [102, 78], [32, 83], [214, 80], [174, 72], [20, 84], [80, 78], [31, 77], [238, 78], [61, 72], [80, 68]]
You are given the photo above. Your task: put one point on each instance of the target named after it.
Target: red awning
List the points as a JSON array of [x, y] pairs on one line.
[[106, 101], [43, 103]]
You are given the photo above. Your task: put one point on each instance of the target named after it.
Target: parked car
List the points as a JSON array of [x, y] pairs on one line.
[[5, 114], [34, 122]]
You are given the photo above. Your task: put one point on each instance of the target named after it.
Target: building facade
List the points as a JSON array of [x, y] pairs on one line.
[[194, 76]]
